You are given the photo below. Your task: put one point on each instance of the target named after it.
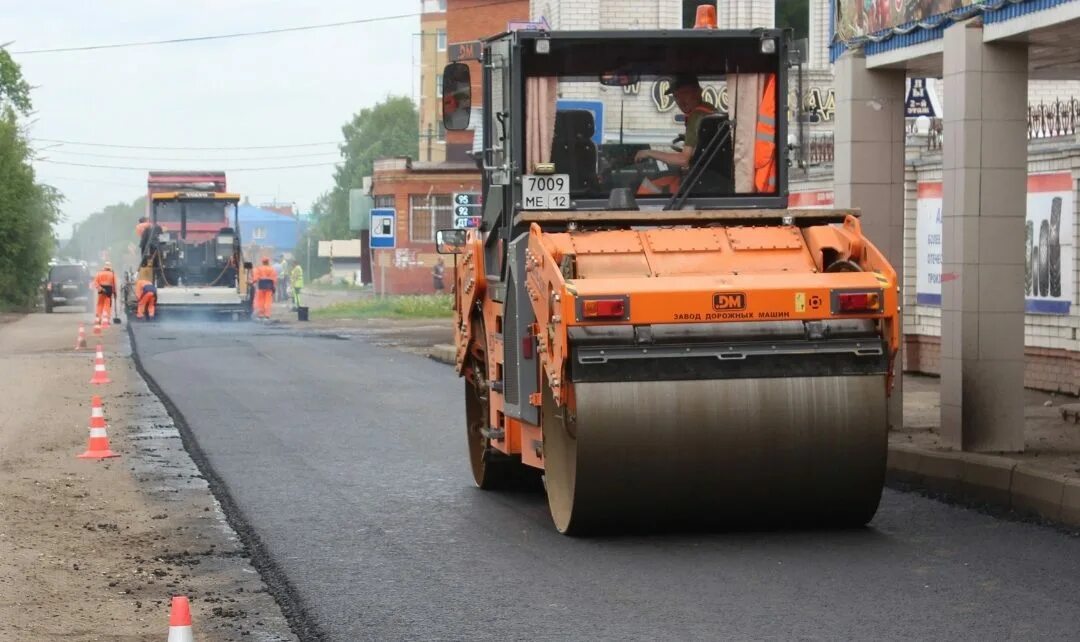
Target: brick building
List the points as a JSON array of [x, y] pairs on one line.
[[433, 43], [421, 194], [467, 21]]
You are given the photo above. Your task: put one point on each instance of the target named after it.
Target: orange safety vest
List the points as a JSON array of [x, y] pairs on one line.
[[765, 140]]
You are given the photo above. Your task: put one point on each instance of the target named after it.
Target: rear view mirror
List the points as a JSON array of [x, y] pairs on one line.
[[619, 79], [450, 241], [456, 96]]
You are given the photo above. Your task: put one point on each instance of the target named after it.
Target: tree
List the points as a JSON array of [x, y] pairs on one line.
[[390, 128], [111, 230], [28, 209]]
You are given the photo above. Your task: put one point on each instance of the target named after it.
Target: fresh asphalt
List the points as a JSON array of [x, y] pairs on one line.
[[347, 463]]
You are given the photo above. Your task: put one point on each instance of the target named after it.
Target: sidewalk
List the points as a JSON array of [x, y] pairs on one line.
[[1043, 481], [94, 550]]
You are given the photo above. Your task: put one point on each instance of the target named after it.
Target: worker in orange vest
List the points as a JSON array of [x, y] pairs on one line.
[[688, 95], [141, 227], [765, 140], [105, 284], [265, 281], [146, 295]]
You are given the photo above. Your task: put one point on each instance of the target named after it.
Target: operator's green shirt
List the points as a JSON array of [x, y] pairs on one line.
[[693, 123]]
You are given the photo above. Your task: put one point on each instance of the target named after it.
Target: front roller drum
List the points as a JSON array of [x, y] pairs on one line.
[[732, 453]]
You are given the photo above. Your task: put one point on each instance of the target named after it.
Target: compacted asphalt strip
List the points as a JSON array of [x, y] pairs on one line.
[[347, 462]]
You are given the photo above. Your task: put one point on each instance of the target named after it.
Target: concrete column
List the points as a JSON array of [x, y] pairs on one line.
[[984, 201], [869, 166]]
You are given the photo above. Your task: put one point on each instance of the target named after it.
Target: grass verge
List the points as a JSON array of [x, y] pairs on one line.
[[424, 306]]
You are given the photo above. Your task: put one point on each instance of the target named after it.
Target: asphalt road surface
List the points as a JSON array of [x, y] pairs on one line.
[[348, 461]]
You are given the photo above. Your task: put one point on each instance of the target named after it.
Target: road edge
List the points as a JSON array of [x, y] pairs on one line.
[[292, 606], [975, 479]]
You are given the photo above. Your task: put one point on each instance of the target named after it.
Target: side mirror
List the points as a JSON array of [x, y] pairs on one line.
[[450, 241], [456, 96]]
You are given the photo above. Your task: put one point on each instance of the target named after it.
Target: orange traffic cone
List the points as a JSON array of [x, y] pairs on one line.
[[180, 620], [97, 326], [100, 376], [80, 343], [98, 447]]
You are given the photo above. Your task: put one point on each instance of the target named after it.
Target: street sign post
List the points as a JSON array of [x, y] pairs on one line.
[[467, 210]]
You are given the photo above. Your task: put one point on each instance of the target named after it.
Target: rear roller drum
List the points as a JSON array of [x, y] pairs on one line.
[[716, 453]]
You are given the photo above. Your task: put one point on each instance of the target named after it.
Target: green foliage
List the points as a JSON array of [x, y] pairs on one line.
[[425, 306], [14, 90], [390, 128], [111, 230], [28, 211]]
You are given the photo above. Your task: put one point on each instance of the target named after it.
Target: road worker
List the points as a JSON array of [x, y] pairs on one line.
[[265, 282], [141, 227], [687, 92], [146, 295], [105, 284], [296, 279]]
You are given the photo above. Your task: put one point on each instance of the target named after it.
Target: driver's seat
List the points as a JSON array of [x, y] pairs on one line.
[[719, 175], [573, 151]]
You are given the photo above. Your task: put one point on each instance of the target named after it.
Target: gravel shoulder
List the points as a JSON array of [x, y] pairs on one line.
[[93, 550]]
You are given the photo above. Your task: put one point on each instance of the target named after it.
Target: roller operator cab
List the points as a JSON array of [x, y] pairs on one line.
[[191, 251], [638, 314]]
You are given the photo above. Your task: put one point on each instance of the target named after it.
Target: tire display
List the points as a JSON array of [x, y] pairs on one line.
[[1028, 267], [1044, 256], [1054, 258]]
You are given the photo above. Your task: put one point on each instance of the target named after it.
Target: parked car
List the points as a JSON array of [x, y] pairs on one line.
[[67, 284]]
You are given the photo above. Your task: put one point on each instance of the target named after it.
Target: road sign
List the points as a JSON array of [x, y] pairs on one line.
[[467, 210], [382, 227]]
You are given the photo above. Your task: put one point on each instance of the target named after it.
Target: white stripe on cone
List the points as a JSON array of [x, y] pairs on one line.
[[97, 432], [99, 367], [96, 412], [181, 634]]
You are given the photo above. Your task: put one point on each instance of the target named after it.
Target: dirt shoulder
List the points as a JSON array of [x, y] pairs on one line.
[[93, 550]]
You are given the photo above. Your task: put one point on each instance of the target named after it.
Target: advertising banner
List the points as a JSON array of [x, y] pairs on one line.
[[855, 18], [1049, 251], [821, 199]]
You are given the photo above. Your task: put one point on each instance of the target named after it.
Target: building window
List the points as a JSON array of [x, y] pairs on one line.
[[442, 5], [438, 85], [384, 200], [440, 38], [259, 233], [440, 131], [429, 213], [689, 11]]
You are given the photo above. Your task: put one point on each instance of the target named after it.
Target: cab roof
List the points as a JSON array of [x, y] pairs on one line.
[[195, 196]]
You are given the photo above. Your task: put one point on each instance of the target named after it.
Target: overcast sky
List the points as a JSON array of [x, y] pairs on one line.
[[268, 90]]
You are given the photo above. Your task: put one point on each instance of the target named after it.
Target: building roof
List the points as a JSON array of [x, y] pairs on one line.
[[253, 214]]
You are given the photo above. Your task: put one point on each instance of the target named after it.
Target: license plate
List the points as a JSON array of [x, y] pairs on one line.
[[548, 192], [70, 286]]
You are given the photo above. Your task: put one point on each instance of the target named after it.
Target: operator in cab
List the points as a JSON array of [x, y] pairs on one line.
[[687, 92]]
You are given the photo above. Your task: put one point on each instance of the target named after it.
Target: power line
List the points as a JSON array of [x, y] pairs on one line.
[[193, 149], [194, 160], [143, 169], [224, 36]]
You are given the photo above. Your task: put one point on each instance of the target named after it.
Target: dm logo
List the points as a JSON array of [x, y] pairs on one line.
[[729, 301]]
